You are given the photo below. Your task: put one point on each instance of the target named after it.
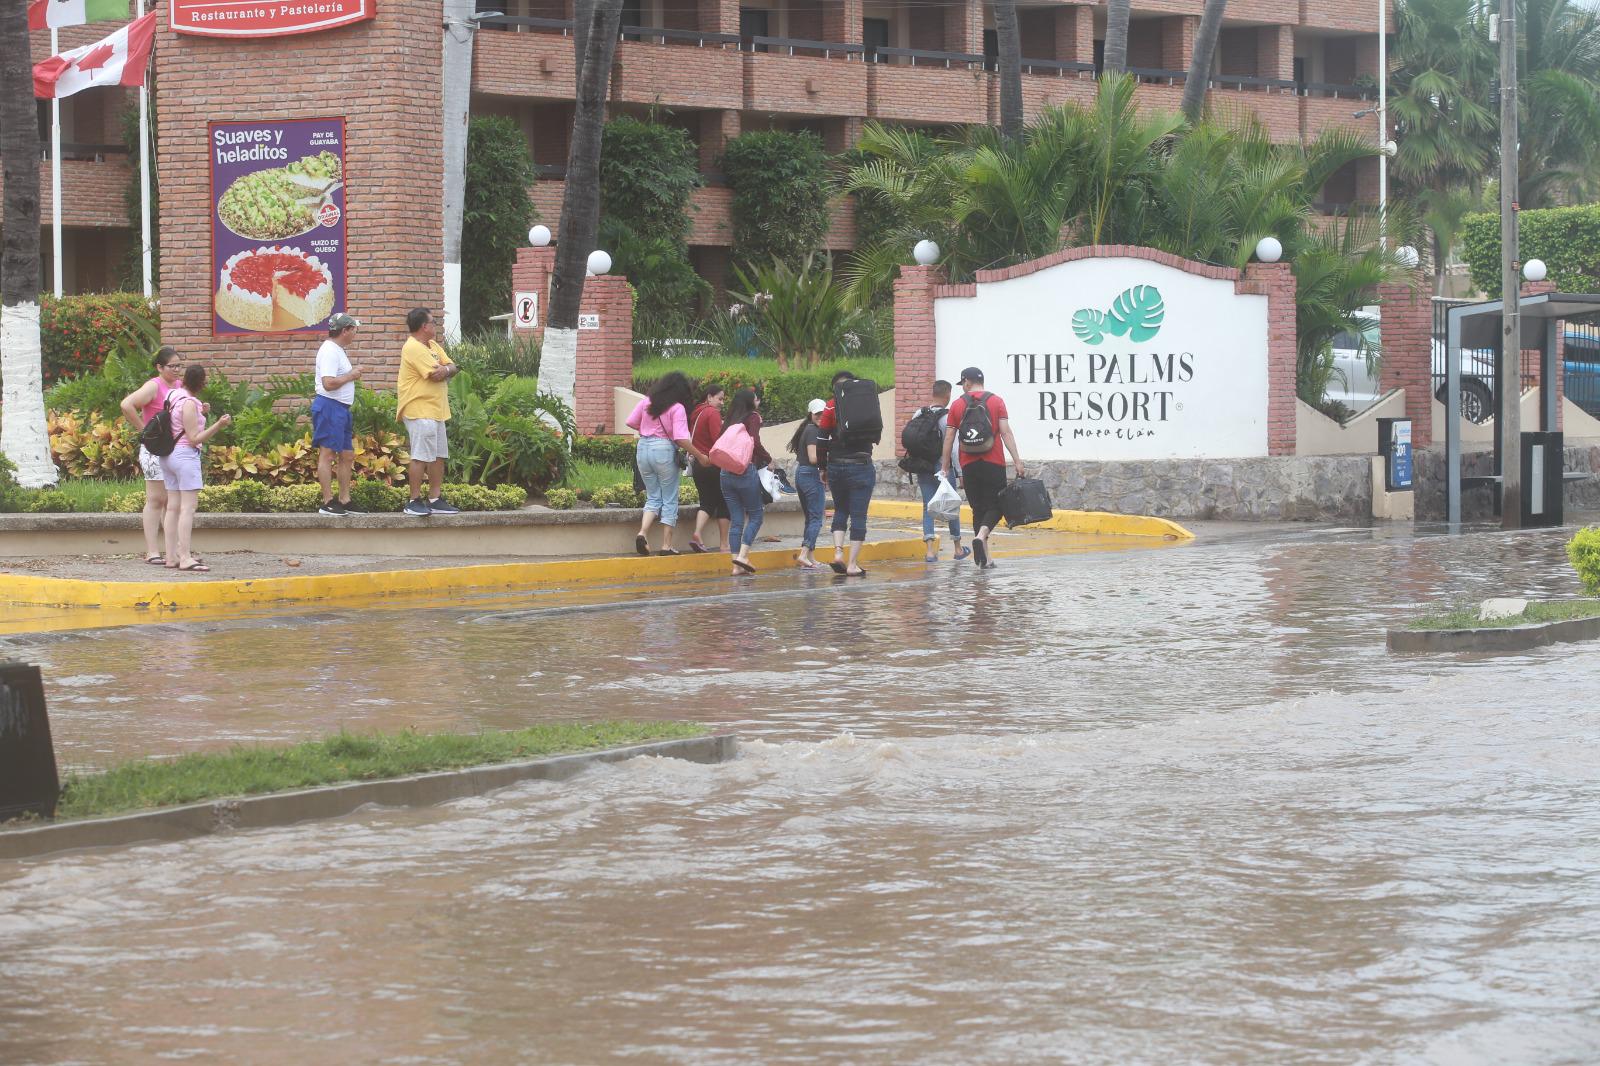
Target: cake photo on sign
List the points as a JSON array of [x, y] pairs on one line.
[[269, 205], [272, 289]]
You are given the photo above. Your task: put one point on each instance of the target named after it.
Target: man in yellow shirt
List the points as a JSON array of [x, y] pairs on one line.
[[424, 406]]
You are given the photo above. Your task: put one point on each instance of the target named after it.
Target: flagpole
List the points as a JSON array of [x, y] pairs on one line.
[[55, 173], [144, 168]]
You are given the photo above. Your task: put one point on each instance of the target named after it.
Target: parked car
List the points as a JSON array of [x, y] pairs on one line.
[[1357, 358]]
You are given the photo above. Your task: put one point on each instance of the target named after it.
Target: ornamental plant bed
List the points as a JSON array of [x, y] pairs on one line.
[[1465, 630], [149, 784]]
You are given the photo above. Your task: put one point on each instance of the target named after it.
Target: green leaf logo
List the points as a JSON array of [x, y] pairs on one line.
[[1136, 313]]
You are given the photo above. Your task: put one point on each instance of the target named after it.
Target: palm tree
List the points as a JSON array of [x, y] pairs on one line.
[[1118, 13], [1205, 50], [1559, 124], [595, 43], [1008, 37], [1438, 106], [23, 436]]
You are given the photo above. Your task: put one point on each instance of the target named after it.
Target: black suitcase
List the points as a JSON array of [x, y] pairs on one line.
[[1025, 501]]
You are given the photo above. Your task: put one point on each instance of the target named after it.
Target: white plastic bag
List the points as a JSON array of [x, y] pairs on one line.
[[769, 483], [946, 501]]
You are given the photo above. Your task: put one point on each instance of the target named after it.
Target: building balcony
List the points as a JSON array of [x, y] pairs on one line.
[[1334, 106], [1349, 17], [681, 68], [797, 77], [91, 189], [711, 213], [907, 85], [537, 65]]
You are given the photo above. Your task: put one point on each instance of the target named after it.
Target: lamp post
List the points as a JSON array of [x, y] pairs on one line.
[[1509, 425]]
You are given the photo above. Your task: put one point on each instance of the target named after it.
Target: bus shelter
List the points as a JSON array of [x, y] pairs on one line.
[[1481, 326]]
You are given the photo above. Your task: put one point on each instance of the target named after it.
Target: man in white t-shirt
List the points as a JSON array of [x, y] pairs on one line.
[[332, 430]]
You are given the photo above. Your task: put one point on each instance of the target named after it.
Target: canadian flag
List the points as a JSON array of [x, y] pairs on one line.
[[119, 59]]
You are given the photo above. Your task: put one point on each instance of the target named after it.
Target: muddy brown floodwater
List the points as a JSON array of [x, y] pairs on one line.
[[1173, 806]]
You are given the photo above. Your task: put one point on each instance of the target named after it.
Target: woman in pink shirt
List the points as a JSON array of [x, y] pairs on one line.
[[139, 407], [662, 421]]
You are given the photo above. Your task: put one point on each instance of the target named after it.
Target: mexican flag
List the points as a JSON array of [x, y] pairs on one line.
[[53, 14], [120, 59]]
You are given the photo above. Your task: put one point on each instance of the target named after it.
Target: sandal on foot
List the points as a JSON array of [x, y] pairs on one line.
[[698, 548], [962, 553], [837, 567], [156, 560], [742, 565], [195, 568], [669, 551], [862, 572], [641, 545]]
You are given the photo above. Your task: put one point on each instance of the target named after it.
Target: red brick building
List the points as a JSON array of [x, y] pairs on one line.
[[714, 67]]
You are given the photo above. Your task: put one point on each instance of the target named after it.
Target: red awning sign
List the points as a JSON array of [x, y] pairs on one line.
[[265, 18]]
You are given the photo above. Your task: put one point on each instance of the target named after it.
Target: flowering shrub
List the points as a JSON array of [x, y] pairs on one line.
[[92, 447], [76, 333]]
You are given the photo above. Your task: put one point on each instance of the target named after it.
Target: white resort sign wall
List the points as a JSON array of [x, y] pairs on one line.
[[1118, 358]]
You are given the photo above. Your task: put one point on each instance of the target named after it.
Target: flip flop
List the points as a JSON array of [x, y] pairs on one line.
[[838, 568], [859, 573], [641, 545], [195, 568], [698, 548], [669, 551], [156, 560], [742, 565]]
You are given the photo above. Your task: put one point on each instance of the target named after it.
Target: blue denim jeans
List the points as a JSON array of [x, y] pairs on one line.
[[852, 491], [742, 493], [813, 497], [929, 484], [658, 465]]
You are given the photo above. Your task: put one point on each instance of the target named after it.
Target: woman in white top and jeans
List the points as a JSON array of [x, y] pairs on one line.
[[662, 421]]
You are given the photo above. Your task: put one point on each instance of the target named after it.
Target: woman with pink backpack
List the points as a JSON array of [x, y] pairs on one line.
[[742, 458]]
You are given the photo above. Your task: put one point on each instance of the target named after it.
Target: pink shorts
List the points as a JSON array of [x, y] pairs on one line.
[[181, 470]]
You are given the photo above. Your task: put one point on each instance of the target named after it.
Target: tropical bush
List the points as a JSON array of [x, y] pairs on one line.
[[561, 499], [1111, 174], [780, 195], [614, 449], [799, 313], [784, 393], [493, 353], [622, 494], [648, 172], [496, 217], [1584, 551], [78, 333], [1566, 238], [505, 430]]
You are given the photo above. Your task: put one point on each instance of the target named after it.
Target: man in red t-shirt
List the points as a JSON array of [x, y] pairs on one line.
[[983, 462]]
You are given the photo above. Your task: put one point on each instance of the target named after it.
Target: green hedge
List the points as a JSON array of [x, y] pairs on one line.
[[1566, 238], [372, 497], [784, 394], [76, 333], [779, 180], [613, 449]]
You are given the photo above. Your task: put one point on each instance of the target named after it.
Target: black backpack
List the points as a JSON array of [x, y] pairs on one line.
[[855, 406], [977, 428], [157, 436], [922, 439]]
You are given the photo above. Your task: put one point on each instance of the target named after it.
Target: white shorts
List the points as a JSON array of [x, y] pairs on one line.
[[149, 465], [427, 439]]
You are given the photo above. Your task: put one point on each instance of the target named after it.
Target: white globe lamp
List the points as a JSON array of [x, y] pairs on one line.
[[599, 261], [1391, 149], [539, 236], [1269, 249], [926, 253], [1534, 270], [1408, 256]]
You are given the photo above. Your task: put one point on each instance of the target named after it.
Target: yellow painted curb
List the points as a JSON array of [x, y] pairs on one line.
[[1103, 523], [152, 598]]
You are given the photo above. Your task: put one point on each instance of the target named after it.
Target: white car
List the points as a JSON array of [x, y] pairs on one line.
[[1355, 381]]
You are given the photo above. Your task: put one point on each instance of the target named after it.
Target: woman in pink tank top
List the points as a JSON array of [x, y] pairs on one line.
[[139, 407]]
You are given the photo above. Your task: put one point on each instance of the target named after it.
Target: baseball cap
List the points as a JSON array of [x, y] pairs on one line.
[[339, 320], [971, 373], [816, 407]]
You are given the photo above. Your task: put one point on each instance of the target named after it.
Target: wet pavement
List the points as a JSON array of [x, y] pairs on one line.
[[1143, 806]]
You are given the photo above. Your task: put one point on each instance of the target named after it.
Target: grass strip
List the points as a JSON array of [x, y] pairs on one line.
[[253, 770], [1467, 617], [89, 495]]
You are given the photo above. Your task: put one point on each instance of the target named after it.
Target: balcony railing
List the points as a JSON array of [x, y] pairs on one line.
[[926, 58], [796, 46], [92, 153]]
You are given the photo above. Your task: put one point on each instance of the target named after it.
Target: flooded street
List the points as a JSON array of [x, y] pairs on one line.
[[1172, 805]]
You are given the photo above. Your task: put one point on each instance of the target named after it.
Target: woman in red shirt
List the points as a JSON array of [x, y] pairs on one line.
[[705, 426]]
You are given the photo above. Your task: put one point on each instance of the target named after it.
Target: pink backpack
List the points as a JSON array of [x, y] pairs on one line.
[[734, 449]]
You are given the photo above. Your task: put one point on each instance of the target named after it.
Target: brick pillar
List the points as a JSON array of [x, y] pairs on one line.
[[841, 21], [1275, 281], [1275, 52], [717, 16], [1075, 34], [841, 134], [1177, 41], [1407, 339], [914, 348], [963, 29], [1530, 359], [605, 356], [717, 128]]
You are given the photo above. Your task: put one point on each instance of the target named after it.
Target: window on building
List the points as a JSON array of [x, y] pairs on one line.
[[632, 14], [754, 22], [1300, 71], [874, 35], [502, 6], [1099, 57]]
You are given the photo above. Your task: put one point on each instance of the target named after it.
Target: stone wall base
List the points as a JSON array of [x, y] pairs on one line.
[[1279, 488], [1477, 504]]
